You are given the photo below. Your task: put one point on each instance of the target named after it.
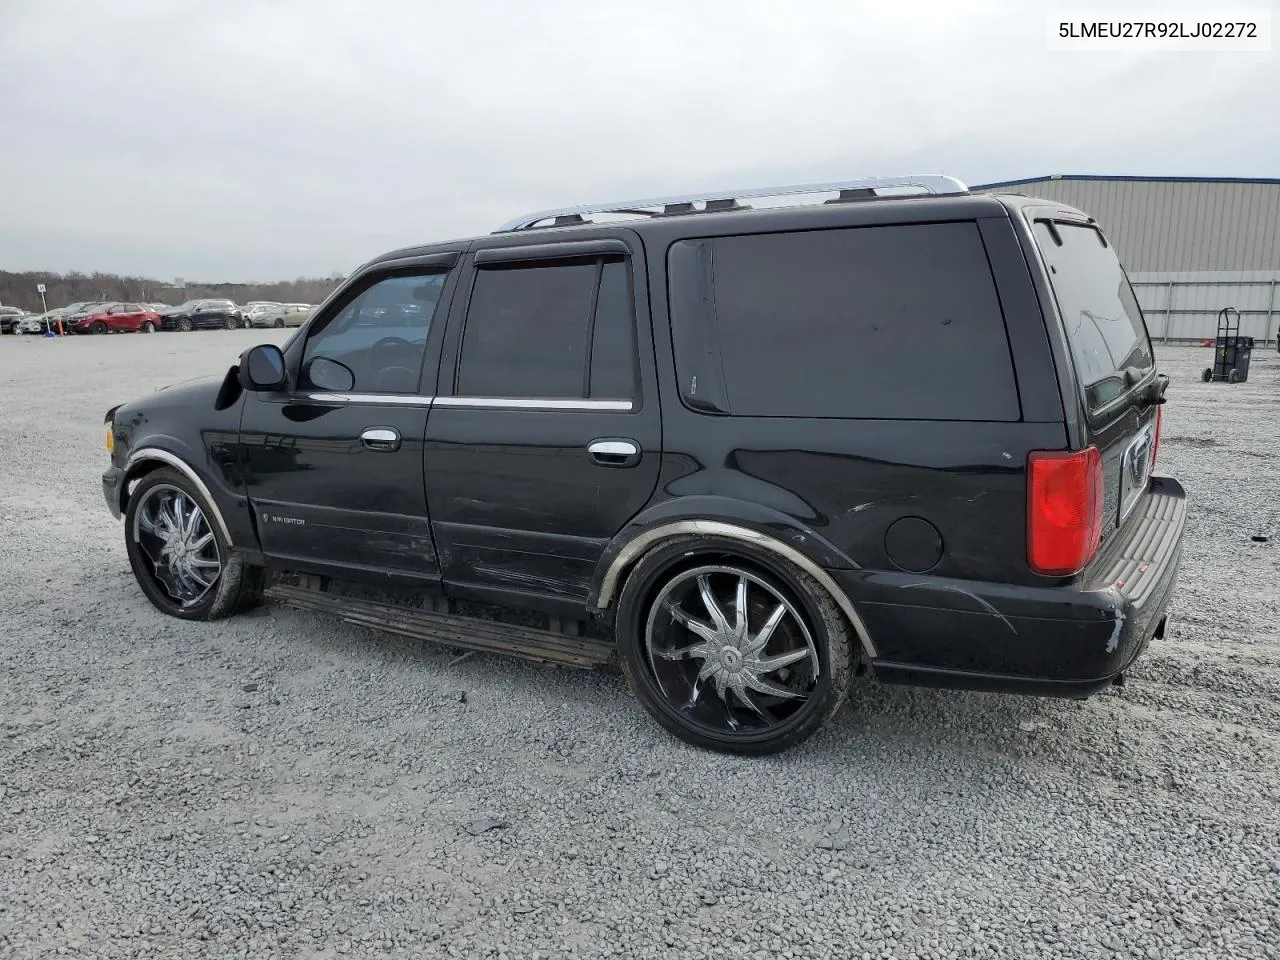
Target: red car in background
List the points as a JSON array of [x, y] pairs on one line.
[[119, 318]]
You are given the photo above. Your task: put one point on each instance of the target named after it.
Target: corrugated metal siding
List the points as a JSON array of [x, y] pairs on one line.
[[1177, 225]]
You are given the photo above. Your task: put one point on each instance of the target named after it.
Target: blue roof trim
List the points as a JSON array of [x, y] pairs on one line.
[[1090, 176]]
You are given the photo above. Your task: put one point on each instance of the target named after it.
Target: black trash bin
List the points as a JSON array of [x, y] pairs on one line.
[[1231, 352]]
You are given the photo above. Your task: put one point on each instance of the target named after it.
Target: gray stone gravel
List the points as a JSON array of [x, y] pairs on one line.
[[283, 785]]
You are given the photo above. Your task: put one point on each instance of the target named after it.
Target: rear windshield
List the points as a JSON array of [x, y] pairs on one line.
[[894, 322], [1103, 321]]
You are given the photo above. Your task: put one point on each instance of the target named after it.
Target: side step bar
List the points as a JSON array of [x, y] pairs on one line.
[[467, 633]]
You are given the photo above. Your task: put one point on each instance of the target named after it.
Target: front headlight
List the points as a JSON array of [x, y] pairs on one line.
[[111, 438]]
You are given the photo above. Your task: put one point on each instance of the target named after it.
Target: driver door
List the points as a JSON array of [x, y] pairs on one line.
[[333, 466]]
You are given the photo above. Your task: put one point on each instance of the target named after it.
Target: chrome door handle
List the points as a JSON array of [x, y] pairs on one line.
[[614, 452], [384, 439]]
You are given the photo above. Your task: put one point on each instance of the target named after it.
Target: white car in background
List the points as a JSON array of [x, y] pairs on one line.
[[283, 315], [258, 308]]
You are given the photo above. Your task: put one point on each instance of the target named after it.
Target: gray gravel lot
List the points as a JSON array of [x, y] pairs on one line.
[[285, 785]]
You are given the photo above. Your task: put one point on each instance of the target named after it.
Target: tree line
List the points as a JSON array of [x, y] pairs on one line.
[[19, 289]]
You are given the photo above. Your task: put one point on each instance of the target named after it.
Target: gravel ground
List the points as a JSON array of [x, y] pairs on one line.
[[285, 785]]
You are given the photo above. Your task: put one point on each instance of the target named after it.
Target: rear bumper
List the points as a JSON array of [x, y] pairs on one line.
[[1056, 641]]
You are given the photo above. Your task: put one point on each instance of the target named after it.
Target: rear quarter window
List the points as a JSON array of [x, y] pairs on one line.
[[888, 322], [1099, 311]]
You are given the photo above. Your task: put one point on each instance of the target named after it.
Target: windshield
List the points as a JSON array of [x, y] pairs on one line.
[[1103, 321]]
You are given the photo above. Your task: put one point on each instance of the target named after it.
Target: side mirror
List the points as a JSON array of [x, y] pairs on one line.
[[329, 374], [262, 368]]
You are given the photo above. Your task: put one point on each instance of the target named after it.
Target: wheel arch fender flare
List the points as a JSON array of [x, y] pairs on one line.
[[750, 524], [148, 457]]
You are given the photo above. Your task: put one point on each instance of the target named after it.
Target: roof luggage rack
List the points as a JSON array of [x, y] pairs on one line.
[[847, 190]]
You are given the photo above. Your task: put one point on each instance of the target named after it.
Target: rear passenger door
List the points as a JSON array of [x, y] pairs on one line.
[[130, 317], [544, 439]]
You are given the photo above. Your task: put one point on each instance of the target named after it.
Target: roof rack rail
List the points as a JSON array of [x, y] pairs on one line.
[[848, 190]]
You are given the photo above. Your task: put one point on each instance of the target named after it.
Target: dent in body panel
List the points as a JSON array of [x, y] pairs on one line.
[[849, 481], [158, 430]]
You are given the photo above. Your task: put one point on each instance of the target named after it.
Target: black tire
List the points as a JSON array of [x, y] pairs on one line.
[[830, 631], [1207, 375], [238, 586], [230, 323], [98, 327], [1233, 376], [147, 327], [279, 324], [185, 324]]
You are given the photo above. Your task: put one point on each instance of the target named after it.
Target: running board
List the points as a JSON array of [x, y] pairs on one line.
[[467, 633]]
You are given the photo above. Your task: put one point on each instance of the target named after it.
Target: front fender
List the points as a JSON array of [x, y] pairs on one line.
[[216, 481]]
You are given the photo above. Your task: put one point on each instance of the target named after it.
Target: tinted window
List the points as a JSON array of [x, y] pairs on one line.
[[1103, 321], [526, 331], [381, 334], [613, 348], [893, 322]]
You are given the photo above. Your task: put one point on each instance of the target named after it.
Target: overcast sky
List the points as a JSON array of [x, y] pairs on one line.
[[267, 139]]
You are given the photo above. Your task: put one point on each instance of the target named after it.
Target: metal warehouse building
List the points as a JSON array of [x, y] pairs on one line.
[[1191, 245]]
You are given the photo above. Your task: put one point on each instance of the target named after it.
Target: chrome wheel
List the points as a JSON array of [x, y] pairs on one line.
[[729, 652], [174, 535]]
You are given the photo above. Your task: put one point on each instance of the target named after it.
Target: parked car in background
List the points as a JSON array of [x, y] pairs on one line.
[[253, 311], [119, 318], [202, 315], [283, 315], [10, 317], [157, 307], [70, 315]]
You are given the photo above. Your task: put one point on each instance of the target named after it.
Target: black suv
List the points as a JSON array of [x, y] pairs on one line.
[[747, 452], [202, 315]]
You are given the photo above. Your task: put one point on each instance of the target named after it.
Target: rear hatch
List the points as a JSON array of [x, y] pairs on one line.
[[1117, 385]]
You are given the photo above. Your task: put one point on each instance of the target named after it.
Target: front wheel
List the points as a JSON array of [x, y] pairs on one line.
[[98, 327], [185, 324], [179, 555], [738, 656], [1207, 375]]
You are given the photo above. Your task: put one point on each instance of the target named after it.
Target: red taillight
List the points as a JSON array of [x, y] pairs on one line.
[[1155, 447], [1064, 510]]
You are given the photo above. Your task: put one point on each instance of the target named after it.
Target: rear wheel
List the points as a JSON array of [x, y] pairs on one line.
[[147, 327], [230, 323], [279, 324], [179, 556], [1233, 376], [1207, 375], [741, 656]]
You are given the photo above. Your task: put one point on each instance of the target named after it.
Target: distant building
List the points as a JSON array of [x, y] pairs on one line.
[[1191, 245]]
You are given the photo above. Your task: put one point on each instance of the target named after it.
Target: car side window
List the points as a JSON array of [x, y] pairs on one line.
[[380, 335], [848, 323], [558, 329], [131, 308], [613, 340]]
